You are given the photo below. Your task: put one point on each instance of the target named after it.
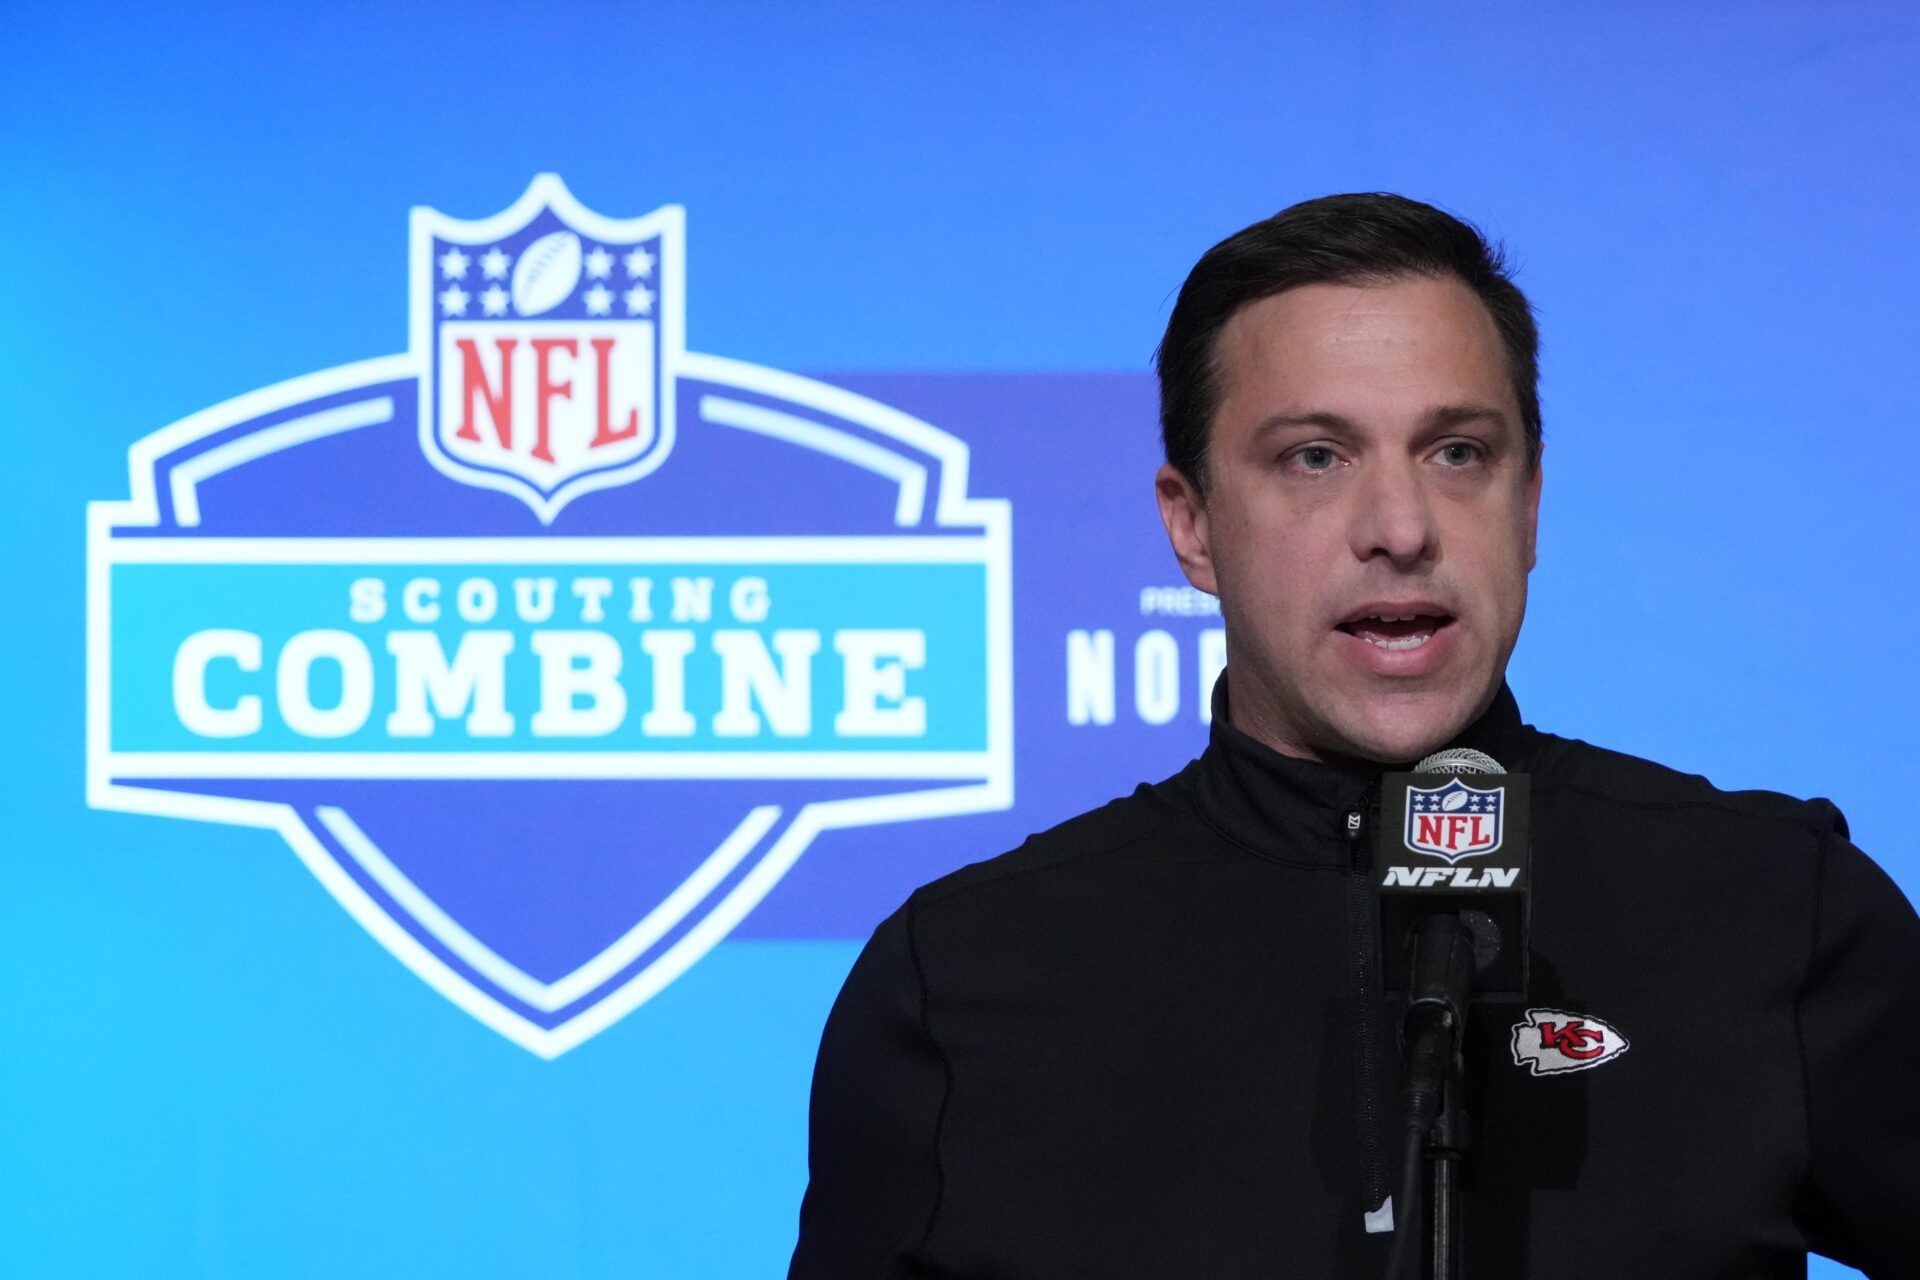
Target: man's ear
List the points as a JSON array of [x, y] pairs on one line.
[[1184, 512], [1533, 506]]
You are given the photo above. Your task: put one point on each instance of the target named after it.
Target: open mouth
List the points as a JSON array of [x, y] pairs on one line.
[[1396, 631]]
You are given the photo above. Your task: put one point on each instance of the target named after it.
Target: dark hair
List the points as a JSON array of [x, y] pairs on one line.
[[1345, 239]]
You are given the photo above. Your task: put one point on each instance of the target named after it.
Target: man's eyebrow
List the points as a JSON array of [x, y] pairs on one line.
[[1324, 421], [1447, 415], [1453, 415]]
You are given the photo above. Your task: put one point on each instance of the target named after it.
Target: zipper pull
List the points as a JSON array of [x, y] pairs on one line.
[[1357, 856]]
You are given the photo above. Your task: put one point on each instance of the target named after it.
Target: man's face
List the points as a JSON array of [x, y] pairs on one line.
[[1369, 520]]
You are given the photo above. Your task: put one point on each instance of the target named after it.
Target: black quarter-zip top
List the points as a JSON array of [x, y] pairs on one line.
[[1151, 1042]]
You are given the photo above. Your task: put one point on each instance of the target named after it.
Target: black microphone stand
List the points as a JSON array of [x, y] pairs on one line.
[[1437, 1134], [1447, 1142]]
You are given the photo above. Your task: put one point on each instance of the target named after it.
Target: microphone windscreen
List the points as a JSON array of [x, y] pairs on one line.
[[1459, 760]]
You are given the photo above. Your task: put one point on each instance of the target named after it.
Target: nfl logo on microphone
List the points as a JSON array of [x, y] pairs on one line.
[[1454, 821]]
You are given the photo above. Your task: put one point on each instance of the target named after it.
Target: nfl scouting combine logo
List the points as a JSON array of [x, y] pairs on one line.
[[549, 645]]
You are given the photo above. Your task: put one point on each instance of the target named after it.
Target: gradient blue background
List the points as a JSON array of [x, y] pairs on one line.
[[207, 1069]]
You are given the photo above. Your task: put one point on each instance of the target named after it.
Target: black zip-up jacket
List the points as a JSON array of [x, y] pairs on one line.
[[1151, 1043]]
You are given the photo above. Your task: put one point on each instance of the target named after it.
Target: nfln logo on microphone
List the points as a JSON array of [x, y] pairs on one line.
[[549, 645]]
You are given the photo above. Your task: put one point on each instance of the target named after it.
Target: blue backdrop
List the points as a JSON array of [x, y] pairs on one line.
[[974, 219]]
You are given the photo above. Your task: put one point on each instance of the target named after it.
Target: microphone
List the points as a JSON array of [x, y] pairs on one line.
[[1453, 922], [1452, 841]]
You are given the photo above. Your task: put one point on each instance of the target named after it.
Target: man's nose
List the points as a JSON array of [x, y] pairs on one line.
[[1394, 518]]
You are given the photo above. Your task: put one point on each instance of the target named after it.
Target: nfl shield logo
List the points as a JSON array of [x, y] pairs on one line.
[[1454, 821], [549, 335]]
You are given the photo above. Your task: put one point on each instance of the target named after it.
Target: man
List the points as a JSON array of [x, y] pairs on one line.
[[1154, 1041]]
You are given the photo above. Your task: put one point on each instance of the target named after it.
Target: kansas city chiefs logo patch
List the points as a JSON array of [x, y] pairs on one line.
[[1552, 1040]]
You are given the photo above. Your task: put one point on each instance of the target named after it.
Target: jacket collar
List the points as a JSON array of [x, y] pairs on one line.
[[1294, 810]]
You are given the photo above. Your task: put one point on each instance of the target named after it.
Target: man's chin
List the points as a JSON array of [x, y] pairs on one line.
[[1404, 729]]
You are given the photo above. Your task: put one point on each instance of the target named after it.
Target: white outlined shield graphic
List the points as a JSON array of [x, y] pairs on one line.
[[1455, 820], [550, 765]]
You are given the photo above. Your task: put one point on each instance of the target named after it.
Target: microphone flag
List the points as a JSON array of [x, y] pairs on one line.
[[1456, 841]]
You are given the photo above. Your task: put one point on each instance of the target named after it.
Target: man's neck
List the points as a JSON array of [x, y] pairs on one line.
[[1268, 730], [1253, 711]]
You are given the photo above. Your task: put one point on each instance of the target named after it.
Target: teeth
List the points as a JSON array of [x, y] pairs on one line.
[[1405, 642]]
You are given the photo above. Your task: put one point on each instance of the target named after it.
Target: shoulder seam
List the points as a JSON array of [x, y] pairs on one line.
[[1000, 877], [1799, 999], [1814, 826], [946, 1069], [1265, 855]]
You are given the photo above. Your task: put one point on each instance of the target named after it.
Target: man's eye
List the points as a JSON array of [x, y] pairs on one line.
[[1460, 454], [1315, 458]]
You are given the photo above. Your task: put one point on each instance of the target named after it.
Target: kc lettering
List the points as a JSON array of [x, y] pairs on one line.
[[1575, 1039]]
